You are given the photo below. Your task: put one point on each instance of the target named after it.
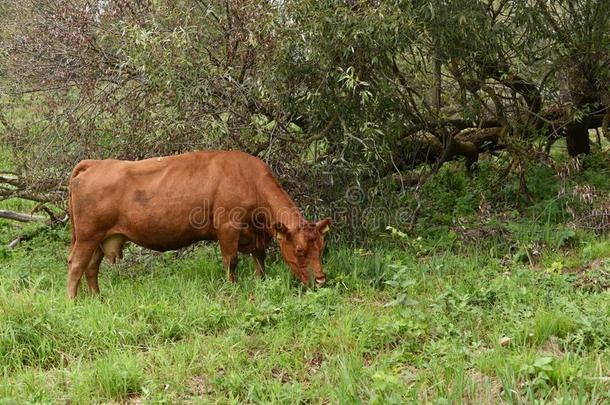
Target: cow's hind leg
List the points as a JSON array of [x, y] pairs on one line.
[[92, 271], [80, 257], [229, 242]]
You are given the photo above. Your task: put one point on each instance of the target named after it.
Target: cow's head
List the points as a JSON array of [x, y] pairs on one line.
[[302, 247]]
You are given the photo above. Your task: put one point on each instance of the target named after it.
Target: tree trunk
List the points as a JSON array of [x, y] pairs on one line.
[[438, 82], [577, 138]]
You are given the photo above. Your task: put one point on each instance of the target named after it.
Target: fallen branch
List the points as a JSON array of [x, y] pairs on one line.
[[31, 234], [47, 210], [15, 242], [25, 237], [17, 216], [50, 197], [10, 179]]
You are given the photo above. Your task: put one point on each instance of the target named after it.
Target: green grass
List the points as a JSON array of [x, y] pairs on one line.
[[393, 326]]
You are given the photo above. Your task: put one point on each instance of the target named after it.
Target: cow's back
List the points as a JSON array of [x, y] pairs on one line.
[[162, 203]]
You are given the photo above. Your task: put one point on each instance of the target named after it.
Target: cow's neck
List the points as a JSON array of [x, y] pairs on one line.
[[280, 206]]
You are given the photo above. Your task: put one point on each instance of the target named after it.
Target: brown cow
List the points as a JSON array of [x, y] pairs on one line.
[[167, 203]]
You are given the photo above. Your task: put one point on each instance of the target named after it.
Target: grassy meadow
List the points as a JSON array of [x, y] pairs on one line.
[[469, 257], [474, 307]]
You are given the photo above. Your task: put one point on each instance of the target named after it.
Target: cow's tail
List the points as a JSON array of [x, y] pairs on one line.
[[78, 169]]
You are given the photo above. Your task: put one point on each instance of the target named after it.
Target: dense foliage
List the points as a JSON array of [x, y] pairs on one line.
[[331, 93]]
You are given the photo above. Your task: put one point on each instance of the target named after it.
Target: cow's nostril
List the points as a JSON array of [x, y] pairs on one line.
[[320, 280]]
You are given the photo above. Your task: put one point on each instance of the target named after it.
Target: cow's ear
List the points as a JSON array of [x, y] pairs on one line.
[[280, 230], [323, 225]]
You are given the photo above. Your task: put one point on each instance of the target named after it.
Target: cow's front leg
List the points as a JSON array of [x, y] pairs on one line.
[[228, 237]]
